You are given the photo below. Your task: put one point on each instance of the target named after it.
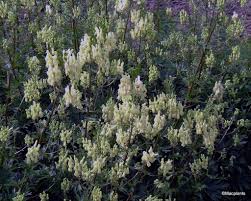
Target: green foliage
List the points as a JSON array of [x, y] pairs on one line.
[[105, 100]]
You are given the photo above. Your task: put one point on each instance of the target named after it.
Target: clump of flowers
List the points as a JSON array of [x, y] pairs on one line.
[[65, 185], [3, 9], [235, 55], [183, 16], [235, 29], [4, 134], [33, 153], [66, 137], [165, 167], [149, 157], [218, 91], [125, 88], [47, 35], [198, 165], [35, 111], [167, 103], [143, 26], [96, 194], [210, 59], [121, 5], [117, 98], [72, 97], [44, 196], [139, 88], [153, 73], [54, 73], [19, 197], [32, 89]]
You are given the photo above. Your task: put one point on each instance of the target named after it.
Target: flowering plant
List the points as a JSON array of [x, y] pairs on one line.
[[111, 100]]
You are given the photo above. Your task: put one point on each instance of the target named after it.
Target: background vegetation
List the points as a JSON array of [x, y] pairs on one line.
[[125, 100]]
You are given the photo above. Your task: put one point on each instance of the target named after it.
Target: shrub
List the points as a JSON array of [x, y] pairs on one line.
[[107, 100]]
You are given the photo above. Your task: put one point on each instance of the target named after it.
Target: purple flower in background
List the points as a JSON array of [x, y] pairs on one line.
[[176, 5], [231, 8]]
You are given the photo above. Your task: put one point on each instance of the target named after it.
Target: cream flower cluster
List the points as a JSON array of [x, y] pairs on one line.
[[143, 26], [165, 167], [44, 196], [98, 152], [169, 12], [65, 185], [34, 111], [33, 154], [210, 59], [3, 9], [54, 73], [121, 5], [118, 171], [235, 55], [101, 50], [220, 3], [4, 134], [46, 35], [218, 91], [34, 65], [48, 9], [159, 122], [78, 167], [19, 197], [167, 103], [33, 85], [97, 52], [198, 165], [117, 67], [153, 73], [206, 125], [76, 12], [135, 118], [127, 90], [85, 48], [125, 113], [72, 97], [149, 157], [72, 65], [98, 165], [143, 125], [28, 140], [183, 16], [173, 135], [235, 28], [174, 108], [96, 194], [32, 89], [66, 137], [139, 88], [183, 135], [123, 138], [108, 110]]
